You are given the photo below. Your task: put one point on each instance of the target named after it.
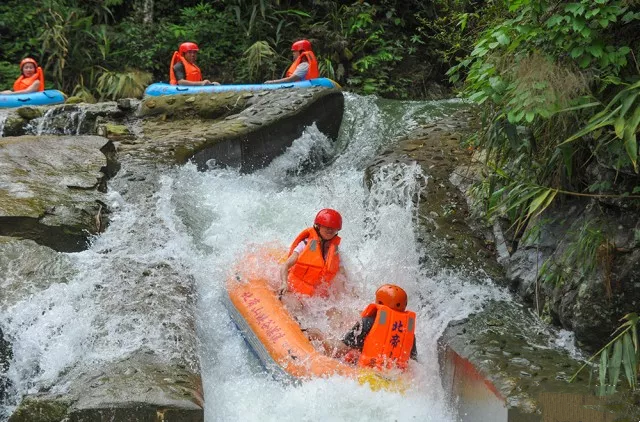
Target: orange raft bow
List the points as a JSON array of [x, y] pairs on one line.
[[277, 339], [23, 83]]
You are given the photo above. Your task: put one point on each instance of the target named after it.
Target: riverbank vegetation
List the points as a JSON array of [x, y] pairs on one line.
[[559, 88], [112, 48]]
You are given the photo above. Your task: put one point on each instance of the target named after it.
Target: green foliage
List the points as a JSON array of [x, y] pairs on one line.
[[618, 121], [128, 84], [388, 48], [542, 75], [620, 355], [259, 60], [588, 250]]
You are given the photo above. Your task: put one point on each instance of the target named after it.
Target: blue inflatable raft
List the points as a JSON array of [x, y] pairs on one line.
[[46, 97], [159, 88]]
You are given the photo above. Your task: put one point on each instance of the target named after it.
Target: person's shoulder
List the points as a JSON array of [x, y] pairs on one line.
[[178, 65]]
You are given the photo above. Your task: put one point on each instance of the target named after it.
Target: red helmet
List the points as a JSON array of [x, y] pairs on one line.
[[302, 45], [188, 46], [329, 218], [28, 60], [392, 296]]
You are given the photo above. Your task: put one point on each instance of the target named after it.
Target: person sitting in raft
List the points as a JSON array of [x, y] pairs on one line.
[[385, 336], [313, 261], [304, 66], [183, 69], [31, 78]]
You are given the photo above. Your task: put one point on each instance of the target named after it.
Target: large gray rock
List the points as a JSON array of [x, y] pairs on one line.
[[243, 129], [136, 389], [588, 302], [52, 188]]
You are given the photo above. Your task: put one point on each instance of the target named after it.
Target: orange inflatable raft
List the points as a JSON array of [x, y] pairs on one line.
[[278, 341]]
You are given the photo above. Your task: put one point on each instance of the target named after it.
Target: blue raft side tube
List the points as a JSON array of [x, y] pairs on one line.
[[46, 97], [160, 88]]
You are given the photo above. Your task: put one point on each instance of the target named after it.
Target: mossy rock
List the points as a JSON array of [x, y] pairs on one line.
[[14, 125], [204, 105], [74, 100], [110, 130], [29, 113], [34, 410]]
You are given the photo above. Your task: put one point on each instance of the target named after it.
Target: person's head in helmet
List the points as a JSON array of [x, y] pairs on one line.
[[328, 223], [392, 296], [28, 67], [189, 50], [300, 47]]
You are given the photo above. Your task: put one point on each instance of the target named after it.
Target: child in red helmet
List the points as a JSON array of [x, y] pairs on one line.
[[183, 69], [314, 258], [31, 78], [384, 338], [304, 66]]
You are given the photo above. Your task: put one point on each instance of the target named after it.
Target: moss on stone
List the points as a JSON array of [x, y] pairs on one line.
[[14, 125], [35, 410], [204, 105], [74, 100], [29, 113]]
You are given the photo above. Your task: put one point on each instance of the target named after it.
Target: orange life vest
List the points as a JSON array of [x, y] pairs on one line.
[[312, 274], [390, 340], [313, 65], [192, 72], [24, 83]]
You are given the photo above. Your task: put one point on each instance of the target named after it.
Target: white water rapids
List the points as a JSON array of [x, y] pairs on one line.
[[201, 223]]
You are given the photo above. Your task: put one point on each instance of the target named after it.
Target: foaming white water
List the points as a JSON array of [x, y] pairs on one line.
[[108, 305], [197, 225], [228, 212], [3, 119]]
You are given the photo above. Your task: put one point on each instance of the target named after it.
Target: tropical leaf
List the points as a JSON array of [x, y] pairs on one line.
[[630, 361], [602, 373]]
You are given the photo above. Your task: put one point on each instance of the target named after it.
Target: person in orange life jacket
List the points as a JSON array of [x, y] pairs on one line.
[[304, 66], [30, 80], [384, 338], [183, 69], [314, 260]]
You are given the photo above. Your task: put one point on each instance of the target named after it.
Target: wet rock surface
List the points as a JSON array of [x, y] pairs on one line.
[[443, 210], [52, 189], [159, 374], [588, 303], [137, 389], [239, 129]]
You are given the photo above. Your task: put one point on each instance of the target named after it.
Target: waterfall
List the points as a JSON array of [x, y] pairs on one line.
[[196, 225], [3, 119]]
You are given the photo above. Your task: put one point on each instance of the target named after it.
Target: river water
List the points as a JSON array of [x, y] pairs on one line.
[[78, 309]]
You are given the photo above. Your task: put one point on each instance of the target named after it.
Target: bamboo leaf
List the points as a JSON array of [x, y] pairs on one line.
[[626, 104], [549, 200], [633, 319], [538, 201], [630, 143], [618, 126], [614, 366], [602, 372], [629, 360], [593, 125]]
